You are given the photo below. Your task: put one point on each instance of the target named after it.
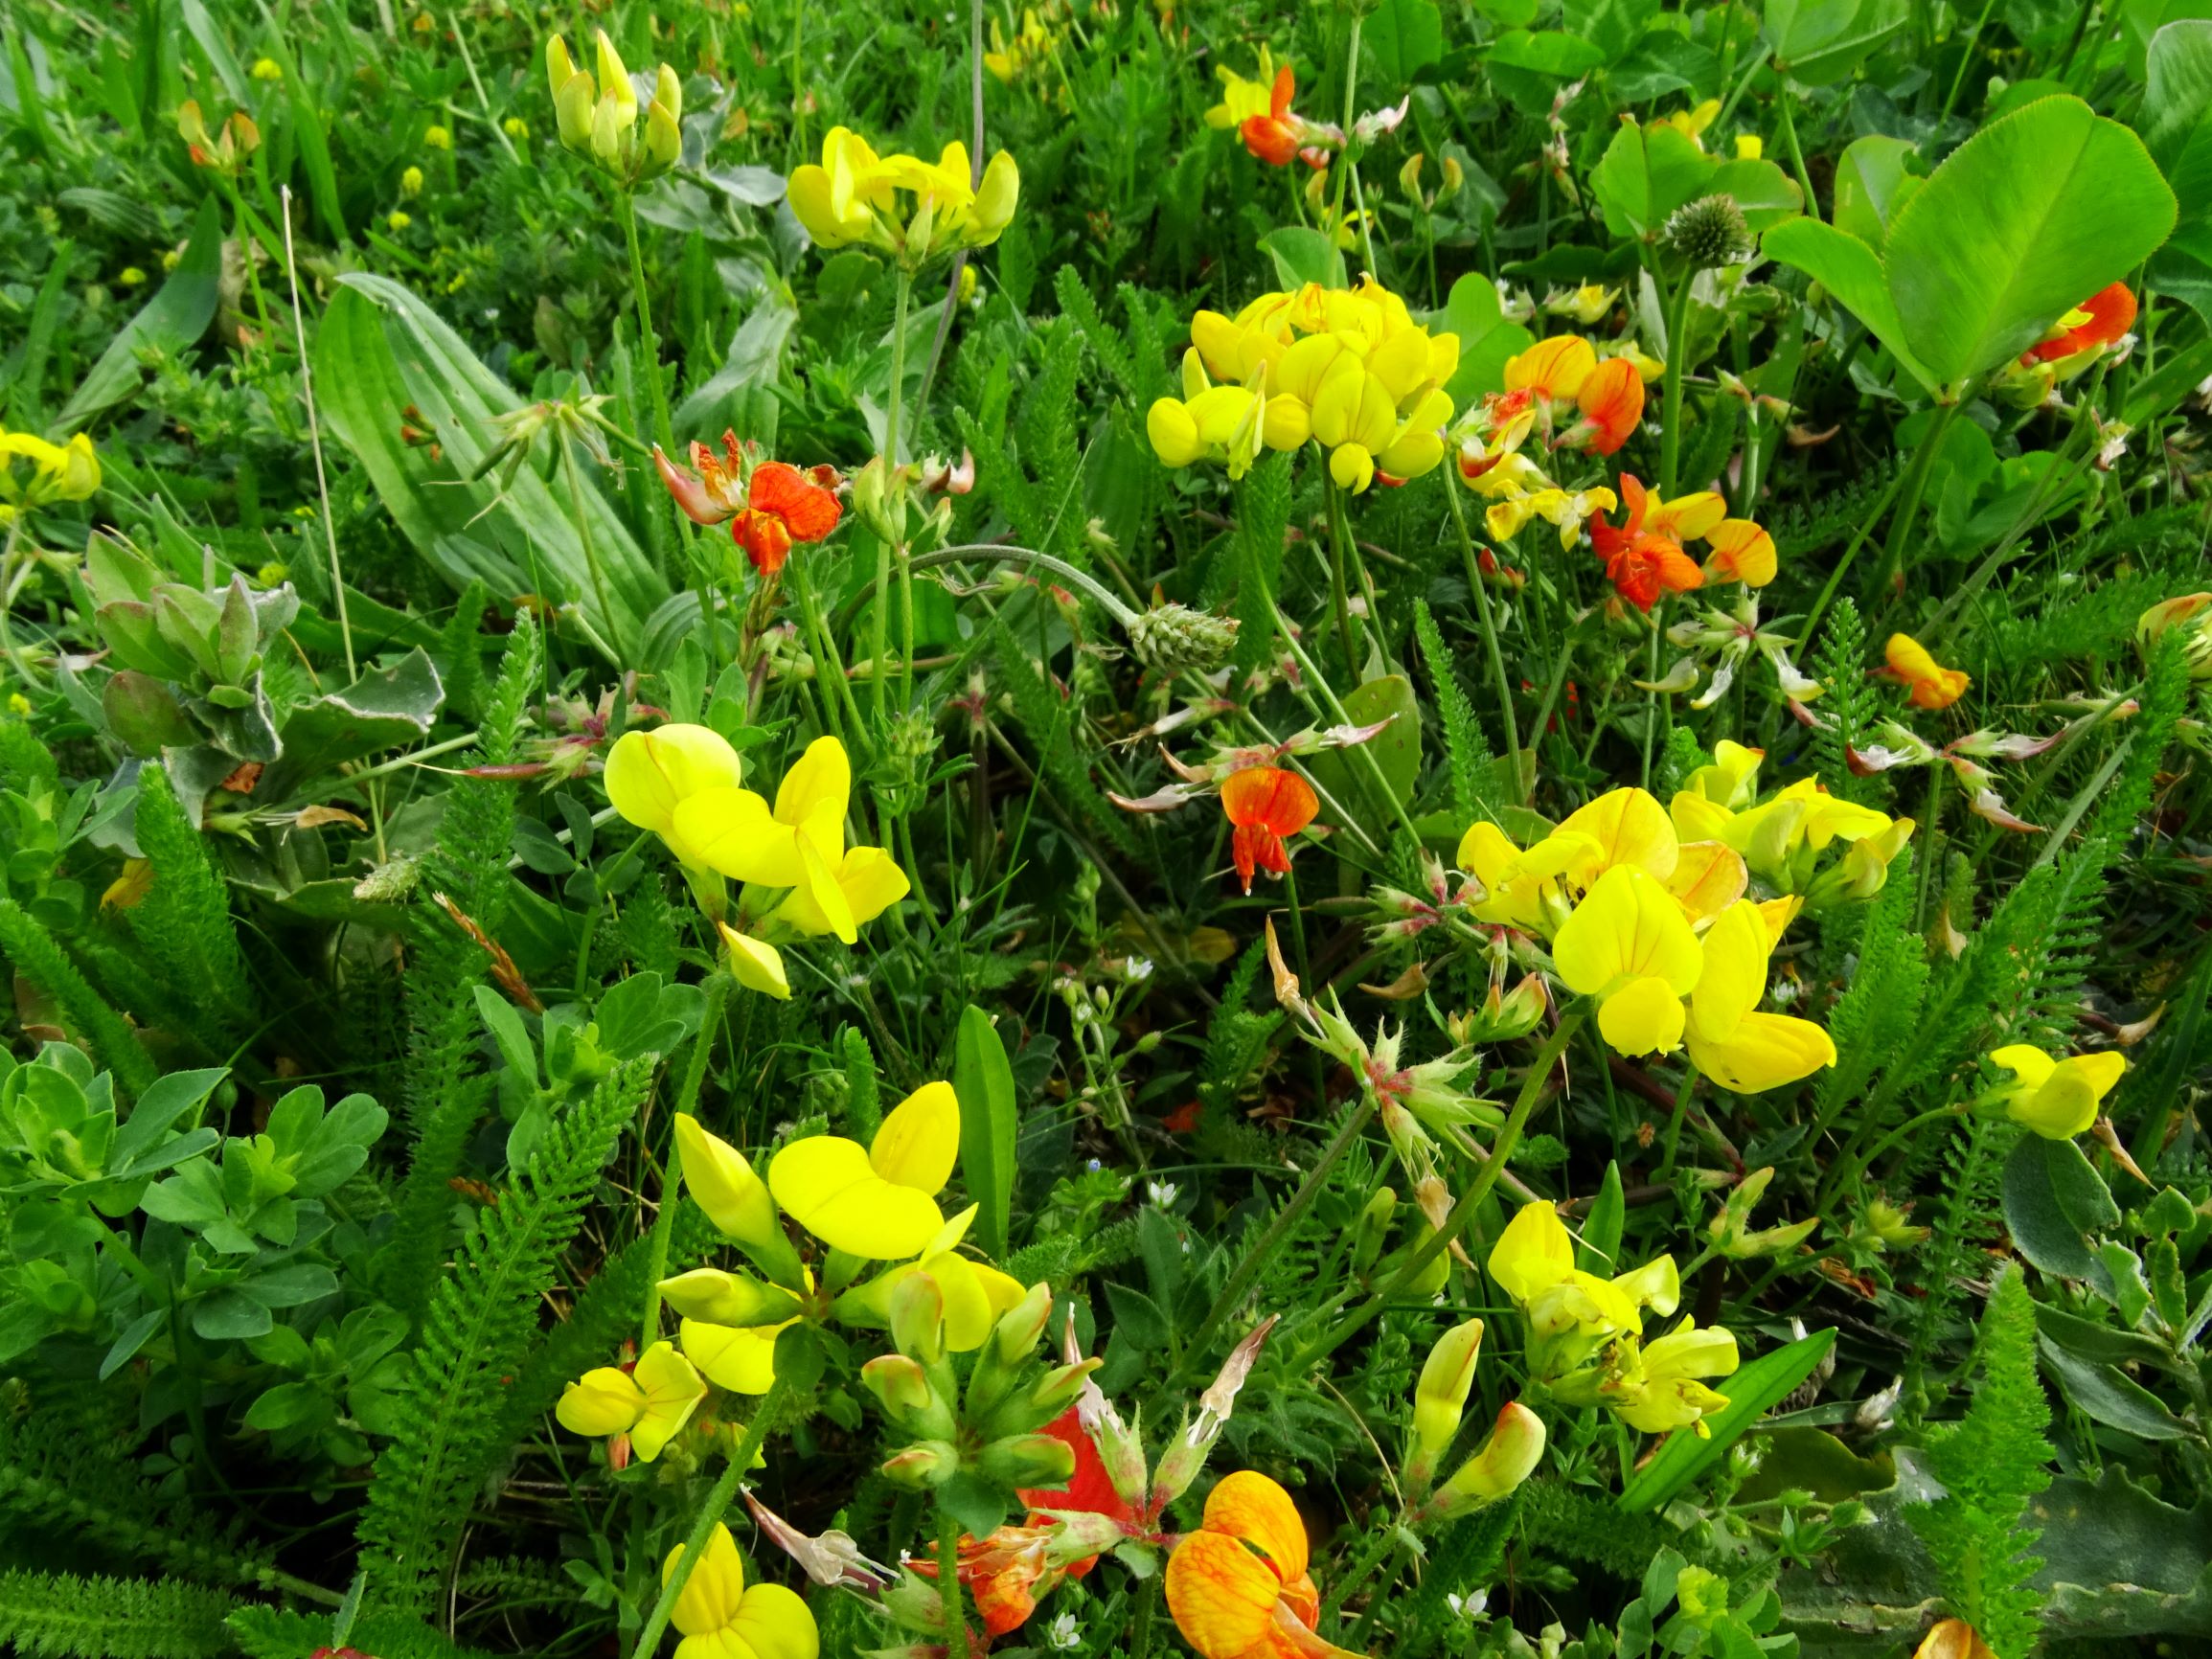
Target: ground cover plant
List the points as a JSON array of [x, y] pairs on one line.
[[1118, 828]]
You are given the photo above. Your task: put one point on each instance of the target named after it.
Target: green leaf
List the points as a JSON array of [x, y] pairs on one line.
[[170, 1098], [1645, 174], [1819, 42], [1486, 339], [983, 1080], [2026, 219], [1752, 1391], [2178, 89], [1852, 271], [1301, 255], [210, 39], [1405, 37], [1600, 1245], [380, 349], [1395, 749], [2111, 1397], [2053, 1201], [1768, 196], [381, 709], [173, 319], [1870, 184], [1549, 52]]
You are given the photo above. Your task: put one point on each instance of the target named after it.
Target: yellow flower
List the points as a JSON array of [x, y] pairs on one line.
[[131, 277], [1242, 99], [128, 888], [1585, 304], [267, 69], [651, 774], [599, 118], [853, 197], [437, 137], [1440, 1398], [755, 963], [869, 881], [650, 1403], [58, 471], [2057, 1099], [1692, 123], [1571, 1313], [720, 1619], [735, 1200], [517, 128], [878, 1202], [974, 1292], [1525, 888], [1749, 146], [742, 1360], [396, 220], [1660, 1388], [1739, 1048], [799, 843], [411, 183], [1933, 686], [1629, 945], [1782, 837]]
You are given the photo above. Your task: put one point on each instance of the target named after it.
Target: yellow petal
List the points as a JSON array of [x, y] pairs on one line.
[[828, 1185], [1735, 973], [1248, 1506], [671, 1390], [712, 1594], [731, 831], [723, 1184], [734, 1357], [1644, 1016], [649, 773], [1764, 1051], [1709, 877], [1223, 1598], [1630, 828], [602, 1402], [755, 963], [2030, 1064], [1534, 1253], [920, 1140], [821, 781], [1628, 927]]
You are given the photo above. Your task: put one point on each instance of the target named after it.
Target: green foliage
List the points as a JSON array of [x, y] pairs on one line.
[[40, 959], [65, 1616], [481, 1325], [1991, 1463], [184, 921], [1045, 720], [1466, 752], [1848, 710]]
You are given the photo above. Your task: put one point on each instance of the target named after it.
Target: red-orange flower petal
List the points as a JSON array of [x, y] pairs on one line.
[[1611, 400], [2111, 314], [765, 538], [809, 512], [1270, 798]]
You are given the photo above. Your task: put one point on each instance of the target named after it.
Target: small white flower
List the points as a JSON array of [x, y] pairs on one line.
[[1161, 1193], [1064, 1634]]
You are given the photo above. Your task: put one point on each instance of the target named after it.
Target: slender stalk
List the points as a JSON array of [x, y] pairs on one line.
[[1846, 1176], [1372, 766], [1671, 387], [1965, 63], [717, 989], [1675, 1122], [711, 1512], [1911, 494], [664, 426], [1455, 1223], [1503, 686], [884, 551], [1797, 155], [1347, 632], [576, 503], [949, 1585]]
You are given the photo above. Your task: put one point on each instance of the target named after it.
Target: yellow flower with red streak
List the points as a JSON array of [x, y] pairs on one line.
[[1266, 805], [1259, 110], [1933, 685], [1645, 555], [1239, 1587], [1562, 377]]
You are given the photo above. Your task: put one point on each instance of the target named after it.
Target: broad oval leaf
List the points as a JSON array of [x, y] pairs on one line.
[[2026, 219], [1819, 42], [1852, 271], [1870, 185]]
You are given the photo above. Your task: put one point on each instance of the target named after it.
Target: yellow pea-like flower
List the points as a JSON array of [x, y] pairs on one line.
[[1739, 1048], [650, 1403], [1629, 944], [719, 1617], [876, 1202], [2057, 1099]]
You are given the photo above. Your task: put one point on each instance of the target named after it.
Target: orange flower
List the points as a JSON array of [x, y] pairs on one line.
[[1644, 562], [2107, 316], [1238, 1587], [1006, 1574], [1265, 804], [1611, 400], [1953, 1639], [778, 506], [1277, 137], [1933, 686], [784, 506], [1552, 369]]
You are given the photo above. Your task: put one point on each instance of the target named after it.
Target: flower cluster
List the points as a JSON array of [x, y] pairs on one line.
[[599, 118], [1585, 1333], [1348, 368], [684, 784], [1645, 554], [900, 205], [1505, 1458], [1259, 112], [1659, 931], [1786, 839]]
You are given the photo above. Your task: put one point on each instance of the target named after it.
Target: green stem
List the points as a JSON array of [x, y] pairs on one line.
[[880, 641], [1859, 540], [1503, 686], [1965, 63], [1675, 1122], [1320, 685], [1797, 155], [1348, 634], [1671, 387], [1914, 488], [949, 1585], [1477, 1190], [664, 426], [1846, 1176], [717, 989], [575, 503], [829, 666], [717, 1504]]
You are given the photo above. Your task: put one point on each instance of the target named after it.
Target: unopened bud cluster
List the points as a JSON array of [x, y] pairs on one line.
[[1707, 233], [599, 118]]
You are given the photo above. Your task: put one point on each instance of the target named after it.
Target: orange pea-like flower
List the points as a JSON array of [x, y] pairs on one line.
[[1642, 563], [784, 506], [1238, 1586], [1554, 368], [2106, 317], [1933, 686], [1277, 137], [1611, 400], [1742, 552], [1265, 804]]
